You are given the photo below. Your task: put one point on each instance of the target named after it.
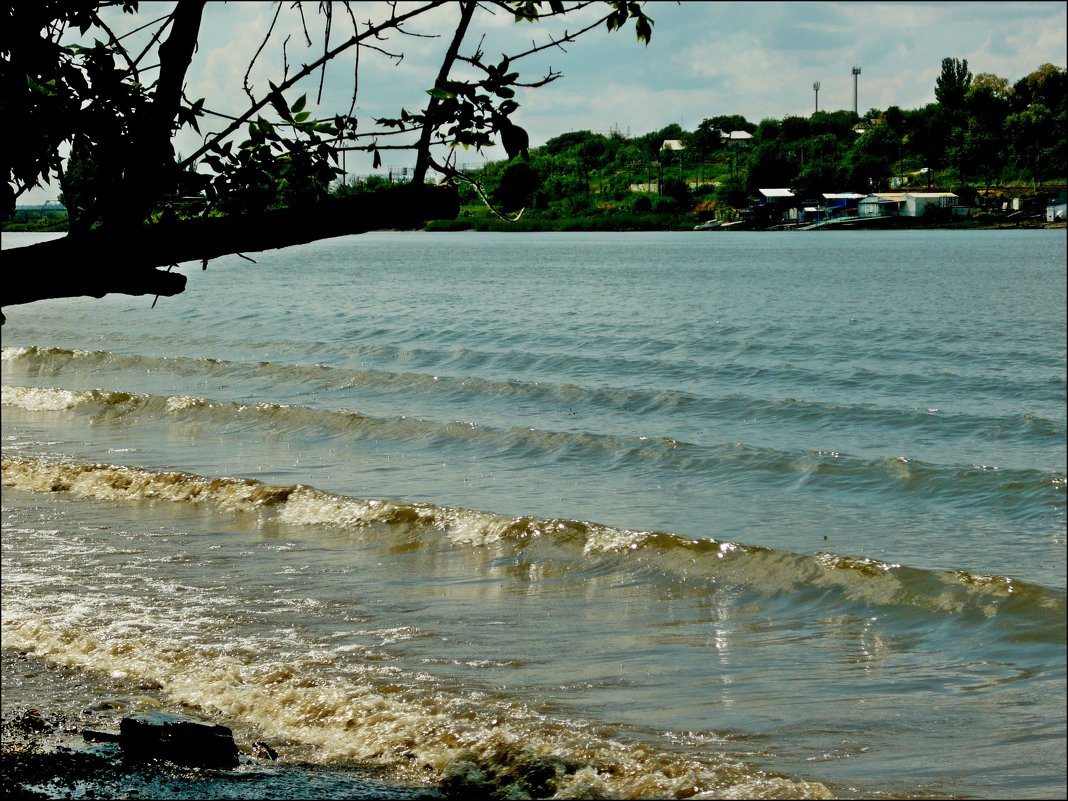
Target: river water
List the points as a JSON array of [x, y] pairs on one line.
[[632, 515]]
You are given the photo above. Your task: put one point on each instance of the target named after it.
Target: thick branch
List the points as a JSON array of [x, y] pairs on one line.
[[467, 11], [99, 263], [155, 151]]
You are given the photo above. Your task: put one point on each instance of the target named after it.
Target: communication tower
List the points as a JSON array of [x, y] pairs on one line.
[[856, 72]]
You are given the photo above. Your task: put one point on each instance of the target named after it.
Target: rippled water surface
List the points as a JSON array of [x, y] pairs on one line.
[[729, 514]]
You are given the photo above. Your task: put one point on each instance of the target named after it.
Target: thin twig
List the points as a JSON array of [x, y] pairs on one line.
[[307, 70], [451, 172], [328, 9], [256, 55]]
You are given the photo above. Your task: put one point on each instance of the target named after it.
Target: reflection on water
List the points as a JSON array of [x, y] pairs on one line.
[[740, 516]]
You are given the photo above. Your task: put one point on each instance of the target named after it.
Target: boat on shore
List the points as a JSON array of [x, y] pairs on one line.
[[708, 225]]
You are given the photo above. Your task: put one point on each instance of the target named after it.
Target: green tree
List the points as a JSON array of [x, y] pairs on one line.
[[926, 130], [774, 160], [821, 167], [951, 92], [894, 118], [1045, 85], [1038, 124], [951, 86], [725, 123], [869, 162], [838, 124], [732, 193], [1032, 149], [517, 186], [707, 139], [985, 143]]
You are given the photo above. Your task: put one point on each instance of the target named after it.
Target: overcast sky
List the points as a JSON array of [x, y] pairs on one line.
[[758, 59]]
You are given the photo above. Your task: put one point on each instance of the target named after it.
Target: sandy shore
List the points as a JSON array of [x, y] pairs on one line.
[[44, 754]]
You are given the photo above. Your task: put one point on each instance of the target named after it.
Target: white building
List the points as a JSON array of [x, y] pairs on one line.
[[903, 204]]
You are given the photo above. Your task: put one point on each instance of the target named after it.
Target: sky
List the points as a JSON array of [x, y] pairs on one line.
[[756, 59]]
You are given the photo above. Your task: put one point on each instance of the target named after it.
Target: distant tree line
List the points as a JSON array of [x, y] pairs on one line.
[[982, 131]]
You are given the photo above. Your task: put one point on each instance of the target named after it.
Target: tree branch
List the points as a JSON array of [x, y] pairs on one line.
[[308, 69], [155, 131]]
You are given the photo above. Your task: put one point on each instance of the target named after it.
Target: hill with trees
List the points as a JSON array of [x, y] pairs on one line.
[[982, 138]]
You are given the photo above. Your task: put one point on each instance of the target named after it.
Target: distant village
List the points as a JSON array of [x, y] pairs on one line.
[[987, 150], [780, 207]]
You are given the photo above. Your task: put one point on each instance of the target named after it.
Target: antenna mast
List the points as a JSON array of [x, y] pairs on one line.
[[856, 72]]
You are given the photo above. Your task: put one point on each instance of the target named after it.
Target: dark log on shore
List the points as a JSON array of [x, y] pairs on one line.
[[103, 262], [162, 735]]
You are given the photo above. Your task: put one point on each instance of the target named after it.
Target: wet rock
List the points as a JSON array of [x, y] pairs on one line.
[[94, 736], [98, 706], [177, 738], [538, 775], [504, 776], [465, 779], [261, 750], [31, 720]]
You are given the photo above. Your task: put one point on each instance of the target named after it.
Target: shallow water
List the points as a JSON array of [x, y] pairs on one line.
[[738, 514]]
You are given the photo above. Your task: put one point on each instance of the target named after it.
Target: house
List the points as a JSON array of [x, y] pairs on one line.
[[672, 144], [903, 204], [779, 196], [735, 136], [842, 202], [917, 202], [884, 204]]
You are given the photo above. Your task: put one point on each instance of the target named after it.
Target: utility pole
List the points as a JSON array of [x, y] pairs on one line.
[[816, 86], [856, 72]]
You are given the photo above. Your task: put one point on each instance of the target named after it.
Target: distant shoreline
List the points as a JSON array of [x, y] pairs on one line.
[[548, 226], [657, 223]]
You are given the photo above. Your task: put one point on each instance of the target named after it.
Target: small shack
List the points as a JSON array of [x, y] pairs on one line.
[[779, 206], [841, 203], [884, 204], [1057, 208]]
